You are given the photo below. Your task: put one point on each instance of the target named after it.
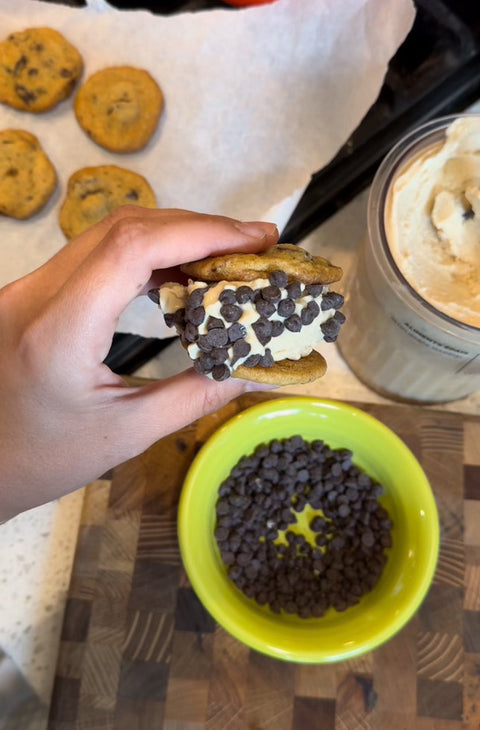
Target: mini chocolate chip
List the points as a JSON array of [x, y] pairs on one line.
[[219, 355], [271, 293], [214, 322], [314, 289], [294, 290], [278, 278], [236, 332], [267, 360], [32, 71], [277, 327], [227, 296], [132, 195], [330, 330], [11, 172], [286, 307], [190, 332], [240, 349], [195, 315], [332, 300], [293, 323], [20, 64], [310, 312], [195, 298], [217, 337], [339, 317], [264, 308], [231, 312], [65, 73], [263, 330], [220, 372], [204, 344], [243, 294], [253, 361]]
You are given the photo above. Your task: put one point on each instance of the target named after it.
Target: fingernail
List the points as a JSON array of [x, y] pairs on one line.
[[257, 229]]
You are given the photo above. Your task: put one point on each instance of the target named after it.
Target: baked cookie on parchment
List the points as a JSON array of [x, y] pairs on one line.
[[93, 192], [38, 69], [119, 108], [27, 176]]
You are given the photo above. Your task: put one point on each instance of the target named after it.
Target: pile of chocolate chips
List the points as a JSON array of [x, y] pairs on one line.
[[223, 344], [349, 529]]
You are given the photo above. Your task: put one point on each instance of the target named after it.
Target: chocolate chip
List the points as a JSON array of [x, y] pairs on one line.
[[293, 323], [204, 344], [310, 312], [330, 330], [264, 308], [195, 315], [195, 298], [236, 331], [263, 330], [214, 322], [240, 350], [267, 360], [65, 73], [217, 337], [227, 296], [20, 64], [314, 289], [131, 195], [25, 95], [253, 361], [243, 294], [277, 327], [231, 312], [332, 300], [190, 332], [286, 307], [271, 293], [278, 278], [220, 372], [294, 290], [219, 355]]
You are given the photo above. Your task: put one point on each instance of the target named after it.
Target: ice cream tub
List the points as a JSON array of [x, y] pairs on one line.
[[413, 297]]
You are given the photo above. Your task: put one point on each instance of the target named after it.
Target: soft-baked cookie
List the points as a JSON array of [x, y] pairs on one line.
[[119, 108], [93, 192], [256, 316], [27, 177], [38, 68], [297, 263]]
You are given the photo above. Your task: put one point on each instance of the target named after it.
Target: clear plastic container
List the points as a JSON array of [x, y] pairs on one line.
[[394, 341]]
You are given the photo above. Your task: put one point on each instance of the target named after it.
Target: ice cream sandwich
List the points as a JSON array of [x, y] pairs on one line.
[[256, 316]]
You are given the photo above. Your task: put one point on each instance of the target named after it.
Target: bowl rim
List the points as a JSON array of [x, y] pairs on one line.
[[221, 616]]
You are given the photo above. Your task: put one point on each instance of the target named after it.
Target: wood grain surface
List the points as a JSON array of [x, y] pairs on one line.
[[139, 652]]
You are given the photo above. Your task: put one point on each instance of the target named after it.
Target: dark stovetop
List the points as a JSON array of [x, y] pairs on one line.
[[436, 71]]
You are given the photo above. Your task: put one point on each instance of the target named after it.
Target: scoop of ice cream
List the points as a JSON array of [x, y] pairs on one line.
[[227, 324], [432, 222]]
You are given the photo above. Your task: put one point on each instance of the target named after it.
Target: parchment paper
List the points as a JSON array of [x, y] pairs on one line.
[[257, 100]]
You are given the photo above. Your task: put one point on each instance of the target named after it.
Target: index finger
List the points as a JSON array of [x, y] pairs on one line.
[[121, 266]]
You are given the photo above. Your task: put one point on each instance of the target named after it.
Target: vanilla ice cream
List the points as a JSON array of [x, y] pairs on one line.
[[432, 222]]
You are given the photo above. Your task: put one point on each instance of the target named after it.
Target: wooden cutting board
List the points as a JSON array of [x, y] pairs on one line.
[[139, 652]]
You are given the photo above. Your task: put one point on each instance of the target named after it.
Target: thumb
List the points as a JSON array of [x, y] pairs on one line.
[[152, 411]]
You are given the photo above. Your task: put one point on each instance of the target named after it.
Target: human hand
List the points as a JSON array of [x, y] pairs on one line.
[[65, 417]]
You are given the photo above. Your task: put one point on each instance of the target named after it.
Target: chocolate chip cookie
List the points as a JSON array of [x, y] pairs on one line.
[[119, 108], [38, 68], [27, 177], [93, 192]]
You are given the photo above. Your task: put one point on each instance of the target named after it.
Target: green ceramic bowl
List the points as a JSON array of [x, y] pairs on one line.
[[408, 497]]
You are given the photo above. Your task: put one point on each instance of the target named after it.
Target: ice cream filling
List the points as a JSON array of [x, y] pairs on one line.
[[432, 221], [230, 323]]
